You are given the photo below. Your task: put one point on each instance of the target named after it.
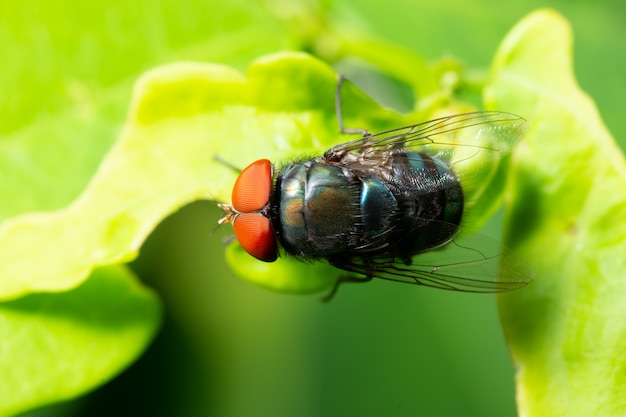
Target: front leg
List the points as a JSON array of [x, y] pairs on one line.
[[342, 279]]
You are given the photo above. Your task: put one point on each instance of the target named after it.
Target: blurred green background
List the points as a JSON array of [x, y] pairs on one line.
[[229, 348]]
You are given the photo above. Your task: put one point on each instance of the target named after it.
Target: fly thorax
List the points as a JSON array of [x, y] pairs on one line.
[[317, 209]]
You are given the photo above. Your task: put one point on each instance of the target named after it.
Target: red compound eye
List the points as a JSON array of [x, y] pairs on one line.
[[251, 194], [256, 235], [253, 187]]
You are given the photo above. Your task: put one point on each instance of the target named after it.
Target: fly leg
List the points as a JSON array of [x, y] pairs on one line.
[[341, 280], [339, 112], [227, 164]]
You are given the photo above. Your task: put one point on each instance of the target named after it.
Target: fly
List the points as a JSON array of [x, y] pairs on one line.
[[375, 205]]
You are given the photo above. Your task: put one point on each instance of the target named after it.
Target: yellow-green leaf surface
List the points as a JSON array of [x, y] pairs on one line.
[[67, 74], [57, 346], [184, 115], [566, 331]]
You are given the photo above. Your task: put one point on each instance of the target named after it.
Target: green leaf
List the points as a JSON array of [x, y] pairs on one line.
[[57, 346], [184, 116], [284, 275], [66, 82], [566, 217]]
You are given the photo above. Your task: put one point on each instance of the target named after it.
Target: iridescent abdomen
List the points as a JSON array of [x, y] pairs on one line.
[[430, 202]]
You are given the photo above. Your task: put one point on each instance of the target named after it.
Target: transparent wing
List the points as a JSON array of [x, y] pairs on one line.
[[489, 131], [473, 264]]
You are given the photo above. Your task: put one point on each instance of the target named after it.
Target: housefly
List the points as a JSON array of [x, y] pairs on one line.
[[383, 205]]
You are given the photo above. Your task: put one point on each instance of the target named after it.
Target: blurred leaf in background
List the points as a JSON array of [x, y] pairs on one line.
[[229, 348], [567, 332]]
